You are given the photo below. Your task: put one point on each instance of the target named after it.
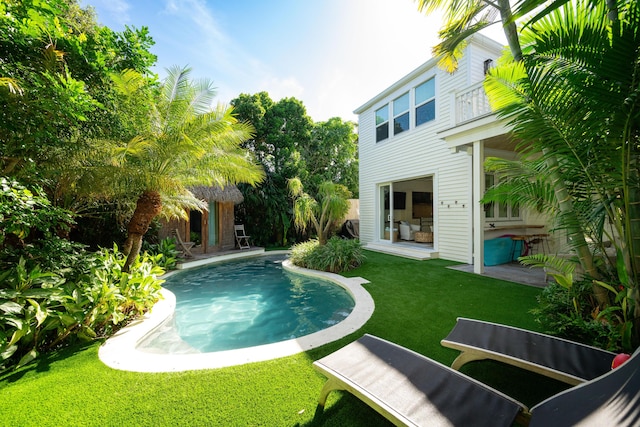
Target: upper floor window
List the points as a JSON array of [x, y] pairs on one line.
[[426, 102], [401, 114], [499, 211], [382, 123]]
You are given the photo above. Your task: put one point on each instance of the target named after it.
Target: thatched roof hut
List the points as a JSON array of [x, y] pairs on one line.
[[230, 193]]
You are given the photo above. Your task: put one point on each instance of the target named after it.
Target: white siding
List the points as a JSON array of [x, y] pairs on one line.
[[421, 152]]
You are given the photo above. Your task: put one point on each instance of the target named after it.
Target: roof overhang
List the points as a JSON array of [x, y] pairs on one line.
[[480, 129]]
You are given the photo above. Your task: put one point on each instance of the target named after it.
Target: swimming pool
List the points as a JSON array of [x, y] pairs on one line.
[[246, 303], [122, 351]]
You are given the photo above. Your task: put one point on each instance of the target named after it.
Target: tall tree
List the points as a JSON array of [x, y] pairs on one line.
[[332, 155], [573, 97], [61, 59], [468, 17], [189, 143], [283, 129], [462, 19]]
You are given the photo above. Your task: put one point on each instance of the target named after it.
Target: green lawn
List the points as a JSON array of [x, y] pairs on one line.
[[417, 303]]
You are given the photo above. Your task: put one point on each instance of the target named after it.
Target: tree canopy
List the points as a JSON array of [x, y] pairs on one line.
[[289, 144]]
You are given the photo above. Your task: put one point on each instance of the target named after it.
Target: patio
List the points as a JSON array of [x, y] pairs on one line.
[[513, 272]]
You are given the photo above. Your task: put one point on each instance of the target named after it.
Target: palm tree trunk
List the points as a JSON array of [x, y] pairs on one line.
[[574, 231], [148, 206], [510, 29]]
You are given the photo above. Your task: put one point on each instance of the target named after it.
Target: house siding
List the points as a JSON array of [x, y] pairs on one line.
[[420, 152]]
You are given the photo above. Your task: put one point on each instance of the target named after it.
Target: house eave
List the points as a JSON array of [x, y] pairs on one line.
[[431, 63], [481, 128], [388, 91]]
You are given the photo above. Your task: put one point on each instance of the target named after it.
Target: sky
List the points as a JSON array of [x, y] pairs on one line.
[[333, 55]]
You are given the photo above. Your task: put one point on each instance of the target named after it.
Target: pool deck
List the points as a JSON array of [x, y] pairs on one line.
[[121, 350]]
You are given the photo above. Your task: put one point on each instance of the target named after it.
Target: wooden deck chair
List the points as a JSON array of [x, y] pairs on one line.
[[557, 358], [241, 237], [184, 247], [410, 389]]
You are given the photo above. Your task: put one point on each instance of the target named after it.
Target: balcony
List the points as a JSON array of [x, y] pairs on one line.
[[471, 103]]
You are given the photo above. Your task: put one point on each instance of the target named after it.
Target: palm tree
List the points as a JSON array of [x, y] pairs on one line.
[[330, 205], [188, 143], [463, 18], [574, 98]]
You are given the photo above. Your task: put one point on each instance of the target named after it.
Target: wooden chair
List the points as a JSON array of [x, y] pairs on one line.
[[185, 247], [241, 237]]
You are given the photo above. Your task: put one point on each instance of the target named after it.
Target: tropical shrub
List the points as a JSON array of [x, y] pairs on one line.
[[572, 313], [167, 249], [336, 256], [42, 310], [323, 212], [53, 292]]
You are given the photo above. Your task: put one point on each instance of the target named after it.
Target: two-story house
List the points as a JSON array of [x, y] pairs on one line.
[[423, 142]]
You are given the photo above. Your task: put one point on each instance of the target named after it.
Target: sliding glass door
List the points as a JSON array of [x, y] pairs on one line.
[[385, 213]]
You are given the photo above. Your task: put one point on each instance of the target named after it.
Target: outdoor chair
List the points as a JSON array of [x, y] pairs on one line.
[[241, 237], [557, 358], [407, 231], [410, 389], [185, 247]]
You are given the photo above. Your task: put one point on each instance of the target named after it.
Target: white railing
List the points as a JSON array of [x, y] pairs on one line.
[[472, 103]]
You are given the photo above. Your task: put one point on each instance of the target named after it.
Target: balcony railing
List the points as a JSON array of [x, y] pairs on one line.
[[472, 103]]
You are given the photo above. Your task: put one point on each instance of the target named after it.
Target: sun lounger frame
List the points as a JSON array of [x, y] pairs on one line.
[[557, 358]]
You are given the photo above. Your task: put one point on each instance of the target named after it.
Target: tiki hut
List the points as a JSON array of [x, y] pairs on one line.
[[211, 230]]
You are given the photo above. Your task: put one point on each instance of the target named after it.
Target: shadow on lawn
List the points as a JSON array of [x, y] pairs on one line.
[[44, 361]]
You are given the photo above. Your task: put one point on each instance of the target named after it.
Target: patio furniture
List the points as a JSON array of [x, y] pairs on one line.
[[407, 231], [241, 237], [412, 390], [557, 358], [423, 237], [185, 247]]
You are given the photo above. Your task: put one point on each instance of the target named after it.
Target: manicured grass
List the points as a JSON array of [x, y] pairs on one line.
[[417, 303]]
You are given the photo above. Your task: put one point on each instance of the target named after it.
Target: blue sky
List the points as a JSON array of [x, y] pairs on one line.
[[333, 55]]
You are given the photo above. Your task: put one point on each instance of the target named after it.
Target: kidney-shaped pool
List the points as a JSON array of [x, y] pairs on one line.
[[246, 303], [234, 312]]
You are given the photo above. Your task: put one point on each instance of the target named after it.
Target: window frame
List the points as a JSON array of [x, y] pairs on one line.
[[425, 102], [382, 124], [387, 127], [498, 207], [398, 115]]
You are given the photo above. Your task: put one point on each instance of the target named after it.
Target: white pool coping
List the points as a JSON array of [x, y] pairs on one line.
[[120, 351]]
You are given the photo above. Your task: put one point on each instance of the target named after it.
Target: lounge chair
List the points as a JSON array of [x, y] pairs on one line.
[[412, 390], [185, 247], [557, 358], [241, 237]]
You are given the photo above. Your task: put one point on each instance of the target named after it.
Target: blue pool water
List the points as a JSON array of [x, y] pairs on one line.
[[251, 302]]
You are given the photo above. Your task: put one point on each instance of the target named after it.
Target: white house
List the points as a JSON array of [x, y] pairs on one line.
[[422, 145]]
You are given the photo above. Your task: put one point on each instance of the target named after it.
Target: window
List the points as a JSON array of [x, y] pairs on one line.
[[401, 114], [425, 102], [499, 211], [382, 123]]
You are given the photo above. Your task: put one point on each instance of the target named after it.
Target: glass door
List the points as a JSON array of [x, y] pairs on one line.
[[213, 224], [384, 204]]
